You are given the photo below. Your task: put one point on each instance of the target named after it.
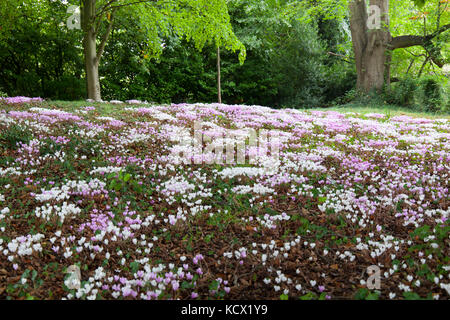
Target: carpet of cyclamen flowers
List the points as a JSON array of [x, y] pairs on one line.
[[97, 186]]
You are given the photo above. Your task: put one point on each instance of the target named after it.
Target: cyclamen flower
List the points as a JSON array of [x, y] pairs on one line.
[[197, 258], [175, 285]]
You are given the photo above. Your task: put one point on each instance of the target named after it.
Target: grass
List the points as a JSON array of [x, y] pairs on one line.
[[388, 110], [104, 109], [107, 109]]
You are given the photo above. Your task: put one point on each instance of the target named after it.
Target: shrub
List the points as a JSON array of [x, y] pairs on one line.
[[426, 94], [351, 95], [402, 93], [430, 95], [339, 82]]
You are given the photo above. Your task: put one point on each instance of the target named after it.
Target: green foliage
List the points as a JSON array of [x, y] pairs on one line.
[[402, 93], [298, 61], [37, 56], [13, 135], [284, 297], [284, 64], [339, 82], [430, 95], [422, 20], [411, 296], [167, 52], [421, 232], [201, 22], [365, 294], [123, 182], [419, 3], [426, 94]]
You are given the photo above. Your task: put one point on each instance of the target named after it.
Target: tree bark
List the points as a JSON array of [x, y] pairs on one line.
[[219, 80], [424, 41], [91, 21], [92, 77], [373, 47], [90, 49], [370, 45]]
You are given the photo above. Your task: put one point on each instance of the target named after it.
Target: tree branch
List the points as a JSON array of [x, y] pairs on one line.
[[105, 8], [110, 5], [439, 31], [101, 48], [406, 42], [423, 66], [424, 41], [344, 58], [410, 41]]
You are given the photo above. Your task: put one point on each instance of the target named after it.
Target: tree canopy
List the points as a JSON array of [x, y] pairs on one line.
[[291, 53]]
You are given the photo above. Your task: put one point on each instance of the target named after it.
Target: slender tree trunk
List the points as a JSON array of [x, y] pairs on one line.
[[90, 57], [219, 80], [90, 50], [370, 43]]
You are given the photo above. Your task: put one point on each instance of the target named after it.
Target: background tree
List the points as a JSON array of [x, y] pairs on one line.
[[373, 45], [299, 54], [200, 21], [37, 52]]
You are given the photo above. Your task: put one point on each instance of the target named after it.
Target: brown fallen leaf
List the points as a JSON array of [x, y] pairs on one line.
[[245, 282], [249, 228]]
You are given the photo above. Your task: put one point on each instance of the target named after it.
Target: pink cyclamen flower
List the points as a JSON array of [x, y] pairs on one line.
[[175, 285]]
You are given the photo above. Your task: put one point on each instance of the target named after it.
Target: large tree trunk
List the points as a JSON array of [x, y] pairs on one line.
[[370, 44], [90, 50]]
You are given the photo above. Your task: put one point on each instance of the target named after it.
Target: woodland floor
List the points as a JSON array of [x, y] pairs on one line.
[[100, 185]]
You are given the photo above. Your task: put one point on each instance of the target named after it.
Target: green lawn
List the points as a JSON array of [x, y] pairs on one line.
[[388, 110]]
